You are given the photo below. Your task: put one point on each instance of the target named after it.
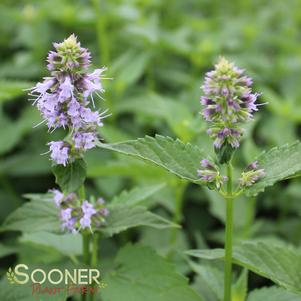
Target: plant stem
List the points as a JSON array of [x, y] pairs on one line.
[[86, 238], [86, 254], [82, 193], [86, 248], [178, 214], [94, 259], [229, 237]]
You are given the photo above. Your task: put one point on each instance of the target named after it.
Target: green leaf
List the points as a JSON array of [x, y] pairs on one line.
[[34, 216], [126, 167], [175, 113], [7, 250], [272, 294], [128, 68], [122, 218], [136, 195], [240, 288], [66, 244], [279, 163], [175, 156], [209, 281], [12, 89], [15, 292], [277, 262], [70, 177], [13, 131], [26, 164], [141, 274]]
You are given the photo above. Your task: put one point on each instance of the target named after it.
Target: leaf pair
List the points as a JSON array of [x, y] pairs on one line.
[[41, 215], [182, 159]]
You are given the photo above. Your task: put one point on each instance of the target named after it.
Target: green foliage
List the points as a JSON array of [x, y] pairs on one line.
[[71, 177], [122, 218], [7, 250], [273, 294], [35, 216], [10, 90], [176, 114], [66, 244], [279, 163], [141, 274], [209, 282], [136, 195], [175, 156], [40, 215], [280, 263], [156, 53], [14, 292]]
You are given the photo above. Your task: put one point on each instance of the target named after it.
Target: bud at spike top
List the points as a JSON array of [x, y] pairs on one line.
[[64, 99], [229, 102]]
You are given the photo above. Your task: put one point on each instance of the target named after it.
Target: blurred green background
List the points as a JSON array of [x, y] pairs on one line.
[[157, 53]]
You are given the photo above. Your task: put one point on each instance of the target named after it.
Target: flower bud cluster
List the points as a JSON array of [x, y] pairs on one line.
[[251, 175], [76, 215], [64, 100], [210, 174], [229, 102]]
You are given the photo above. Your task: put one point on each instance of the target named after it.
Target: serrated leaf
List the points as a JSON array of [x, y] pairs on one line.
[[141, 274], [136, 195], [277, 262], [272, 294], [122, 218], [33, 216], [279, 163], [173, 155], [70, 177]]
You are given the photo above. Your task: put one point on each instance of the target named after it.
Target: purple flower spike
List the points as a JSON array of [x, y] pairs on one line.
[[229, 102], [63, 99]]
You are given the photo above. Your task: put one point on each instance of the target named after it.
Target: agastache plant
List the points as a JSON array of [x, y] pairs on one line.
[[229, 103], [65, 100]]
